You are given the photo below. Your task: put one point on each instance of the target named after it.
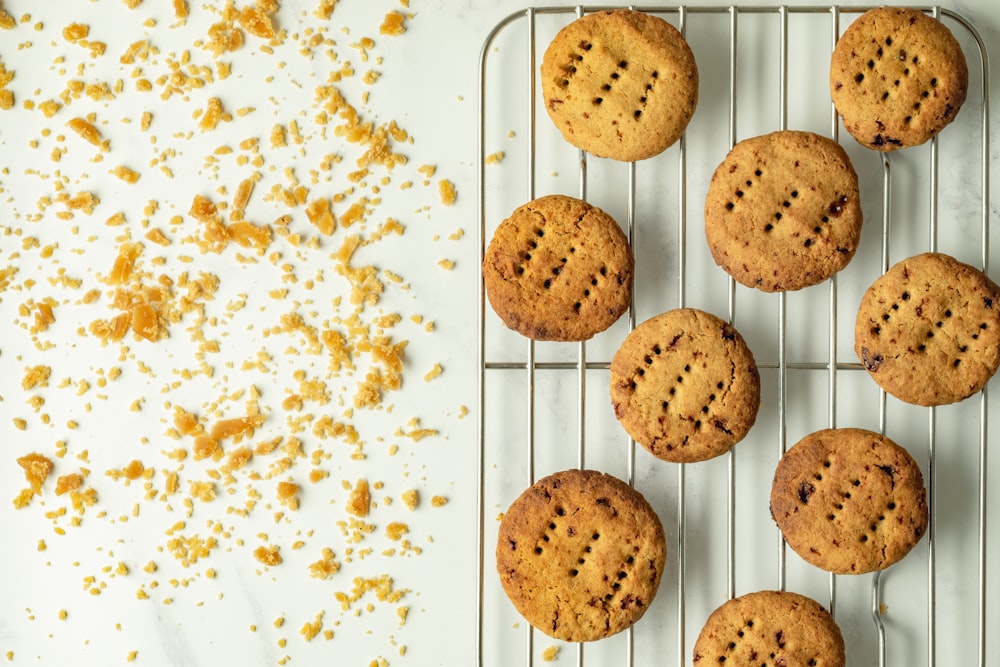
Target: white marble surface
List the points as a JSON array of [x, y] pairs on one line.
[[429, 84]]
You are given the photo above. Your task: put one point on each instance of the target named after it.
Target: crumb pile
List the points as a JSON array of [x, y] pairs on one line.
[[192, 290]]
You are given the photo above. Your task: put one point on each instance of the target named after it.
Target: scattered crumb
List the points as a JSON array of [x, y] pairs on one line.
[[447, 191], [219, 424]]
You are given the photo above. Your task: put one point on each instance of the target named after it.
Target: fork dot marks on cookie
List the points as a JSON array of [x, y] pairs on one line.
[[770, 628], [580, 554], [620, 84], [897, 78], [849, 501], [928, 331], [558, 269], [783, 211], [684, 385]]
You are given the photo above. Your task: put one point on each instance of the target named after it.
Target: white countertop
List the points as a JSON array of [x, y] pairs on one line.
[[224, 607]]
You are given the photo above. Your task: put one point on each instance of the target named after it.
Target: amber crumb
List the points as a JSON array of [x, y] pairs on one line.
[[325, 567], [411, 498], [393, 24], [448, 193], [67, 483], [36, 376], [126, 174], [396, 530], [268, 555], [320, 215], [359, 501], [213, 115], [310, 630], [36, 470], [550, 653], [88, 131], [75, 32], [288, 494], [438, 501], [325, 9], [236, 429], [256, 22]]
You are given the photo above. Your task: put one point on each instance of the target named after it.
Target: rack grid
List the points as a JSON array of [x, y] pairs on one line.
[[529, 379]]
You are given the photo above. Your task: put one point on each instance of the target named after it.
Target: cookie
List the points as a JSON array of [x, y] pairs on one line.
[[580, 554], [620, 84], [897, 77], [559, 269], [783, 212], [771, 628], [849, 501], [685, 386], [928, 331]]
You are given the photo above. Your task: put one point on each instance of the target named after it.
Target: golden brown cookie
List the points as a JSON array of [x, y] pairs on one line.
[[685, 386], [928, 331], [773, 629], [783, 211], [580, 554], [849, 501], [897, 77], [620, 84], [559, 269]]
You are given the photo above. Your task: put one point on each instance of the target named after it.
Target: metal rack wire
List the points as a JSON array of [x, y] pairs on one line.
[[529, 369]]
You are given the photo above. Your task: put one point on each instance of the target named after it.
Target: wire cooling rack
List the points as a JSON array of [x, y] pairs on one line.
[[545, 406]]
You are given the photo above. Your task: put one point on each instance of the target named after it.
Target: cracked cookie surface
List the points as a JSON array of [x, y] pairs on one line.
[[928, 331], [685, 385], [559, 269], [783, 212], [849, 501], [773, 629], [897, 78], [620, 84], [580, 554]]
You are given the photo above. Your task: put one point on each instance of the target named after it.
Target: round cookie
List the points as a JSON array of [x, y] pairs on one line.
[[620, 84], [559, 269], [580, 554], [774, 628], [783, 212], [849, 501], [928, 331], [685, 386], [897, 77]]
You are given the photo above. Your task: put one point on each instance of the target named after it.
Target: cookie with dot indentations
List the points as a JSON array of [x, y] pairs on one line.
[[773, 629], [580, 554], [928, 331], [620, 84], [684, 385], [783, 212], [849, 501], [897, 76], [559, 269]]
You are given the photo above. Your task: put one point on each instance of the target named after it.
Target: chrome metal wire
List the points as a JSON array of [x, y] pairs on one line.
[[530, 367]]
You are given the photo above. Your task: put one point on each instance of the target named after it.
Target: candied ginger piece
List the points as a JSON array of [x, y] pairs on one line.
[[36, 469], [67, 483], [145, 321], [320, 215], [393, 24], [236, 428]]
